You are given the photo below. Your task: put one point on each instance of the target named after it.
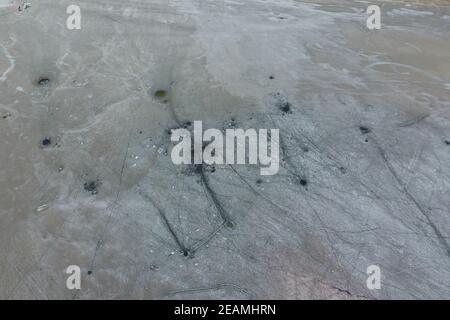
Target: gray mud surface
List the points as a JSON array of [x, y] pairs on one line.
[[85, 171]]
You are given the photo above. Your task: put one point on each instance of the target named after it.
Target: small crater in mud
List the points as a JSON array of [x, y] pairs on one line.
[[43, 81], [24, 6], [6, 115], [285, 107], [230, 124], [187, 124], [259, 181], [447, 142], [364, 130], [91, 186], [46, 142], [271, 77], [282, 103], [303, 182], [89, 272], [343, 170], [153, 267], [161, 95], [230, 224]]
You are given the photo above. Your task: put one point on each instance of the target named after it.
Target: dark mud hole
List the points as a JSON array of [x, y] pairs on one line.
[[91, 186]]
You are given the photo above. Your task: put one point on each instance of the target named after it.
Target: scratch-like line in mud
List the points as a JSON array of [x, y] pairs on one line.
[[166, 222], [439, 235]]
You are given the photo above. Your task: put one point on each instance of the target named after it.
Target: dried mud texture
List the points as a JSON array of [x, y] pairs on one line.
[[86, 176]]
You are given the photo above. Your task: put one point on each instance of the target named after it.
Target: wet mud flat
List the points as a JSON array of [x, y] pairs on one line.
[[86, 176]]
